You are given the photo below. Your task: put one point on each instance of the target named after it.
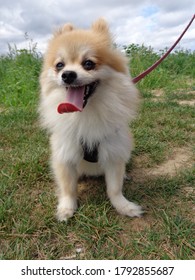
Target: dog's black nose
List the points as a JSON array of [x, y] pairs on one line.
[[69, 77]]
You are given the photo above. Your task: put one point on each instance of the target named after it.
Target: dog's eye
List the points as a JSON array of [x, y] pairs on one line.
[[88, 65], [60, 66]]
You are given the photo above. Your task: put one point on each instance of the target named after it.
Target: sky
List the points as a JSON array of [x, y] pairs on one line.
[[155, 23]]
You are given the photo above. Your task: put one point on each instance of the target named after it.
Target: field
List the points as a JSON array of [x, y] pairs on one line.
[[161, 171]]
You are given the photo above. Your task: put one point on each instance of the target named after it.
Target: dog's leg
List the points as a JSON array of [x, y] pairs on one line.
[[114, 174], [66, 178]]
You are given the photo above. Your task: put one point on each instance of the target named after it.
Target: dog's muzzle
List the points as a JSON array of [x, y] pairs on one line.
[[76, 96]]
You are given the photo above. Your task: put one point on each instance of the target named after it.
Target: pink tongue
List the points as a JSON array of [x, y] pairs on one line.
[[74, 100]]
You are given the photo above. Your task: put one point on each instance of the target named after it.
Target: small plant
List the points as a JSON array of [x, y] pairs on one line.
[[19, 72]]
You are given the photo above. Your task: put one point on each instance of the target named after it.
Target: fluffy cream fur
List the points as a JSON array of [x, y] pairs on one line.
[[105, 119]]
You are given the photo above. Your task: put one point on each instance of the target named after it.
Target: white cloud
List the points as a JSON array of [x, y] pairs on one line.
[[155, 23]]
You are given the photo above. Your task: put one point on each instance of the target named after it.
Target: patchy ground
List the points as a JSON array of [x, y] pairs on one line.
[[159, 95], [179, 159]]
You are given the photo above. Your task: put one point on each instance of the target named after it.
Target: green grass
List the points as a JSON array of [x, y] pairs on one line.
[[163, 130]]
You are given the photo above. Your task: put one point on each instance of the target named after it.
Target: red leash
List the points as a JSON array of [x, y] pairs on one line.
[[146, 72]]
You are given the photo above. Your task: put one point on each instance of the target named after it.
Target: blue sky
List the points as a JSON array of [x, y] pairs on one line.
[[149, 10], [155, 23]]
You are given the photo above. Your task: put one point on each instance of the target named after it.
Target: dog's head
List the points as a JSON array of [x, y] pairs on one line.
[[78, 60]]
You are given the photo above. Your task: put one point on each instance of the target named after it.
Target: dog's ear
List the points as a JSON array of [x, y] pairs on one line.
[[63, 29], [101, 26]]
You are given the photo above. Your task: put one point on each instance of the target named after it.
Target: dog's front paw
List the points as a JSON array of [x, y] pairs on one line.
[[63, 213], [131, 209], [125, 207], [66, 209]]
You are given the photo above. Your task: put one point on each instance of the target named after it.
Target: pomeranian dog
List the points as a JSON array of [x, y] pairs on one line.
[[87, 101]]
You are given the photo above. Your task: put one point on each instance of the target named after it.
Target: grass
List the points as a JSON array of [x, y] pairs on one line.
[[164, 135]]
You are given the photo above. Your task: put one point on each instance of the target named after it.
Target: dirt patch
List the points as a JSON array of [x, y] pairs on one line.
[[157, 92], [181, 158], [134, 226], [187, 102], [187, 92], [189, 191], [2, 110], [141, 224]]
